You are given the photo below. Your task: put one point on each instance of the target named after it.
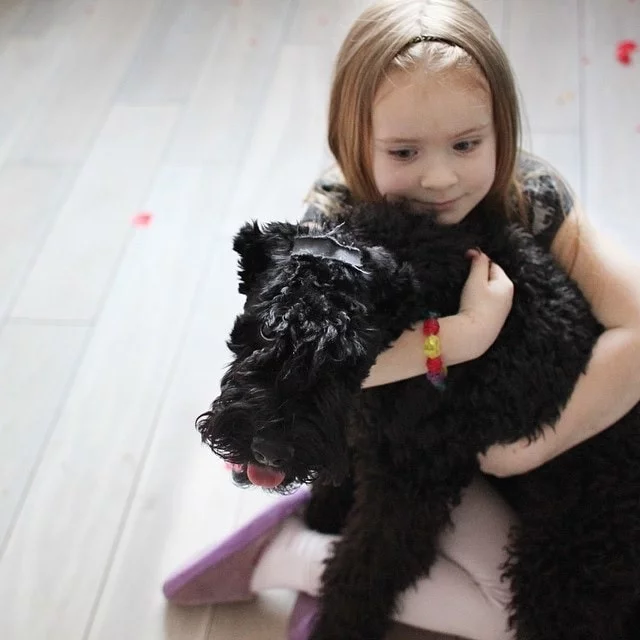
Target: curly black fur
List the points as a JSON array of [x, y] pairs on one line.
[[388, 463]]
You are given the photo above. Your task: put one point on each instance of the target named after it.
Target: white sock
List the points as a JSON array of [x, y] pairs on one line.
[[294, 559]]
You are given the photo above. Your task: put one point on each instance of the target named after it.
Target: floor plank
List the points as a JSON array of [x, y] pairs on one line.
[[554, 106], [27, 66], [612, 119], [286, 152], [170, 55], [74, 269], [220, 118], [183, 490], [40, 16], [58, 554], [37, 363], [12, 12], [68, 118], [30, 201]]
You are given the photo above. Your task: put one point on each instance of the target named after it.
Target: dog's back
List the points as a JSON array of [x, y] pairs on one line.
[[291, 410]]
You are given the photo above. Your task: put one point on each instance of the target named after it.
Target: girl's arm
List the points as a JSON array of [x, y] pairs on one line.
[[484, 305], [610, 280]]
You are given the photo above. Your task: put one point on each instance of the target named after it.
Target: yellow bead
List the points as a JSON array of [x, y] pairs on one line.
[[432, 347]]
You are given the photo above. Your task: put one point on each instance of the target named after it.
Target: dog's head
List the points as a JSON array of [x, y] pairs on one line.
[[302, 347]]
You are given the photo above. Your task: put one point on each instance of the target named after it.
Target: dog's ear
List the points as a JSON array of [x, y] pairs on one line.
[[255, 254], [258, 249]]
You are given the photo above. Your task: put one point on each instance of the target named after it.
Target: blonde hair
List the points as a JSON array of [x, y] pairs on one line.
[[400, 34]]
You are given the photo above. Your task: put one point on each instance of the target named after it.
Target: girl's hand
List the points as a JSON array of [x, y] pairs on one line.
[[486, 299], [504, 460]]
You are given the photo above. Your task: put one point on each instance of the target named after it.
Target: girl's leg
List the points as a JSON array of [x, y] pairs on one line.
[[449, 601], [479, 537], [463, 594]]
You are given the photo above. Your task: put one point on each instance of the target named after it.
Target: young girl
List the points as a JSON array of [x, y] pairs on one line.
[[423, 107]]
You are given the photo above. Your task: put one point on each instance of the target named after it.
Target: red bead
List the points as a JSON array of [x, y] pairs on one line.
[[431, 326], [434, 365]]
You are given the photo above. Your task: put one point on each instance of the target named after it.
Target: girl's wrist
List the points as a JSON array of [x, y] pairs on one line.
[[460, 339]]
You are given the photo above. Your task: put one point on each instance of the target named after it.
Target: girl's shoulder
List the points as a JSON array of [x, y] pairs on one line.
[[548, 198]]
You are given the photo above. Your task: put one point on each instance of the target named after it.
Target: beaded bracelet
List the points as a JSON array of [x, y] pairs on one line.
[[436, 369]]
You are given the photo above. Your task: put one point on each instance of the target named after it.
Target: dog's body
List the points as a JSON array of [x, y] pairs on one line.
[[388, 463]]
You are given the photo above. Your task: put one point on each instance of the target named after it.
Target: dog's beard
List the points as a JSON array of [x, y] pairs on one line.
[[252, 475], [258, 475], [318, 441]]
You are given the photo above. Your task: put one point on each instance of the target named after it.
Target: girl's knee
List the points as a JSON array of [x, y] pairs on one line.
[[498, 593], [499, 599]]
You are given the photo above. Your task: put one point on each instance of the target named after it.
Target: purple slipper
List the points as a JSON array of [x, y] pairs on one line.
[[224, 573], [302, 617]]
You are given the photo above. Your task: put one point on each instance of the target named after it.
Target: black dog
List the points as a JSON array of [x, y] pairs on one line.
[[388, 463]]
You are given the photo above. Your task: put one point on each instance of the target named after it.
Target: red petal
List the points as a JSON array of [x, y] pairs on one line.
[[624, 50], [142, 220]]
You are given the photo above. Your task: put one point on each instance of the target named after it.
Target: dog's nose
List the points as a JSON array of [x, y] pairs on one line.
[[270, 453]]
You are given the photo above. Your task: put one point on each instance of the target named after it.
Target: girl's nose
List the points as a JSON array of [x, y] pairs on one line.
[[439, 178]]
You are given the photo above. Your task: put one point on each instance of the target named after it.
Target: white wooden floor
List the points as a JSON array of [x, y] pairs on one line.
[[203, 113]]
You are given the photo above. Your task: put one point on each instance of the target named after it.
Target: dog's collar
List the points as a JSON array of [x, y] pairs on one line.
[[326, 247]]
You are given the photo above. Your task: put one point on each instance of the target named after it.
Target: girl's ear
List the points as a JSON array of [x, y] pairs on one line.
[[255, 256]]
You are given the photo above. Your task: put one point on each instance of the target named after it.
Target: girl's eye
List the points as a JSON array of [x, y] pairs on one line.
[[465, 146], [403, 154]]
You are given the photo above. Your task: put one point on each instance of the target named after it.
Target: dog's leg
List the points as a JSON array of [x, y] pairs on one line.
[[389, 541], [560, 594], [575, 559], [329, 507]]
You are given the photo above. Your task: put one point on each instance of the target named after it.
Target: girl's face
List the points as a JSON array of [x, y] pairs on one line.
[[434, 141]]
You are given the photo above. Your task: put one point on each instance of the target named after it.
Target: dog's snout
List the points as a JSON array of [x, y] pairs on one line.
[[270, 453]]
